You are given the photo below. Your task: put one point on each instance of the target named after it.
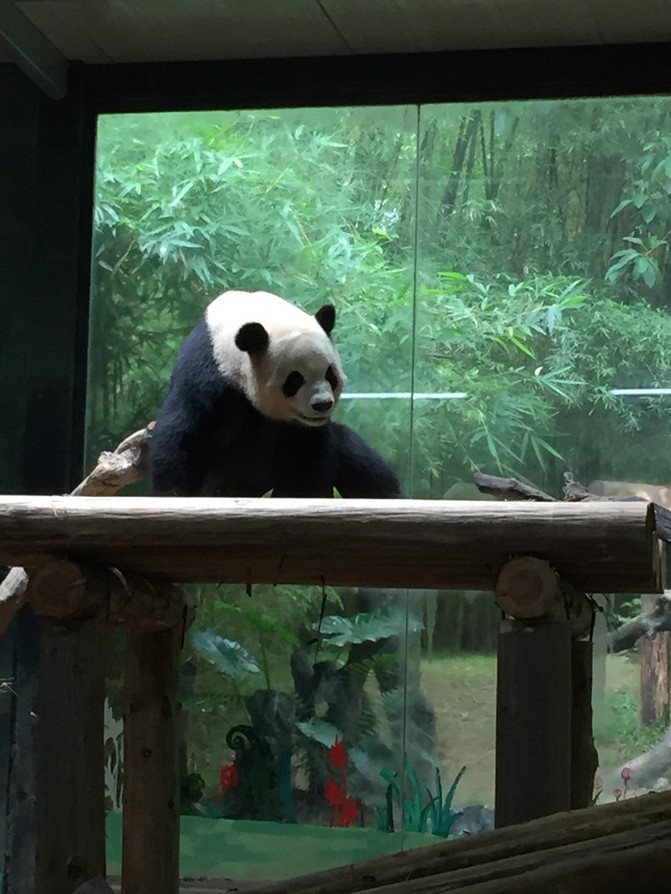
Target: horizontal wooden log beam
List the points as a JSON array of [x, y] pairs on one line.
[[73, 592], [527, 587], [114, 470], [640, 854], [609, 547]]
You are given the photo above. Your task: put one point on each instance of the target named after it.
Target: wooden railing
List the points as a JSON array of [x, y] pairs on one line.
[[94, 559]]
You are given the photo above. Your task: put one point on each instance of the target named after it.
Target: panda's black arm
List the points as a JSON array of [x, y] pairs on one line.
[[360, 470], [174, 464], [176, 445]]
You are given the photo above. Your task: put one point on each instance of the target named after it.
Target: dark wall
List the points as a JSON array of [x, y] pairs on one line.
[[46, 183], [45, 214]]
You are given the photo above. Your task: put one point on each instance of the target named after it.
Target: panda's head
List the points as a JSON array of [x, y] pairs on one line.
[[283, 358]]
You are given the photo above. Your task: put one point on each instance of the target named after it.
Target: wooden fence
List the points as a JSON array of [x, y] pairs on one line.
[[92, 559]]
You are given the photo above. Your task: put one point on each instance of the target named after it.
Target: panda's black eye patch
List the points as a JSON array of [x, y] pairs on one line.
[[331, 377], [292, 383]]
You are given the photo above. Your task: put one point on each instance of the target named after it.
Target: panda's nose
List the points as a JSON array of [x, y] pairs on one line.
[[322, 405]]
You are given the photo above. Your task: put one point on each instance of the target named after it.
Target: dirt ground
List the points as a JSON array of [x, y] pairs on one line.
[[462, 690]]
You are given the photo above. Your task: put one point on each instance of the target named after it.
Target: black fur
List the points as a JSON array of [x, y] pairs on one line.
[[210, 441], [325, 316], [252, 337]]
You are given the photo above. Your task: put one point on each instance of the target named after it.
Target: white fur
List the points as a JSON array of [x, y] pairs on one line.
[[297, 342]]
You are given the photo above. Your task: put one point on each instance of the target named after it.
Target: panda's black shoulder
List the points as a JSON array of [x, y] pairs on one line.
[[203, 414], [197, 386], [360, 470], [195, 367]]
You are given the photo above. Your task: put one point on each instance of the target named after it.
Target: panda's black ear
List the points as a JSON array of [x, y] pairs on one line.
[[325, 316], [252, 338]]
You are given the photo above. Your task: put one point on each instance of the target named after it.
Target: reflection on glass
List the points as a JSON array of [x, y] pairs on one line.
[[501, 278]]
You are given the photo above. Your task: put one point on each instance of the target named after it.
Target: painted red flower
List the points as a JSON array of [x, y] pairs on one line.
[[229, 776], [618, 793], [626, 776], [338, 755], [348, 812], [333, 793]]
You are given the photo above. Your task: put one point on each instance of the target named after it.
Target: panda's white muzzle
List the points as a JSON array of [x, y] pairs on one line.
[[319, 411]]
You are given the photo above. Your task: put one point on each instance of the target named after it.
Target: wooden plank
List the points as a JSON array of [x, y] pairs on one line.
[[150, 863], [159, 31], [599, 547], [533, 720], [70, 844]]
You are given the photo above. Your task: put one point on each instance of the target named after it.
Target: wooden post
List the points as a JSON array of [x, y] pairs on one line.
[[584, 757], [19, 868], [151, 786], [533, 706], [533, 720], [70, 846], [654, 670]]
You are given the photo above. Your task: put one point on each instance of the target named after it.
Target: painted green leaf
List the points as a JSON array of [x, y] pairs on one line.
[[227, 655]]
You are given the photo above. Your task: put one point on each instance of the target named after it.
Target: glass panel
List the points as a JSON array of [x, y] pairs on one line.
[[296, 702], [501, 278], [542, 332]]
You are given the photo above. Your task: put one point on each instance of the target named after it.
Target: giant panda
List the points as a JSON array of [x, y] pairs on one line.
[[248, 409]]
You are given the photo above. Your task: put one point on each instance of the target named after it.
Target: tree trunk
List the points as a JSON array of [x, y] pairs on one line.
[[654, 668]]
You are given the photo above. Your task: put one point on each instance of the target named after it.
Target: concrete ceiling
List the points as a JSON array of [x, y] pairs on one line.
[[42, 35]]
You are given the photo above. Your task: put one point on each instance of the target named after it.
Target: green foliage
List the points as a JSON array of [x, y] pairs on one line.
[[508, 302], [261, 621], [620, 723], [648, 205], [188, 206], [367, 626]]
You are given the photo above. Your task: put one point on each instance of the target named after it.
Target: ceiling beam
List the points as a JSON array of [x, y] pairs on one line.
[[32, 52]]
